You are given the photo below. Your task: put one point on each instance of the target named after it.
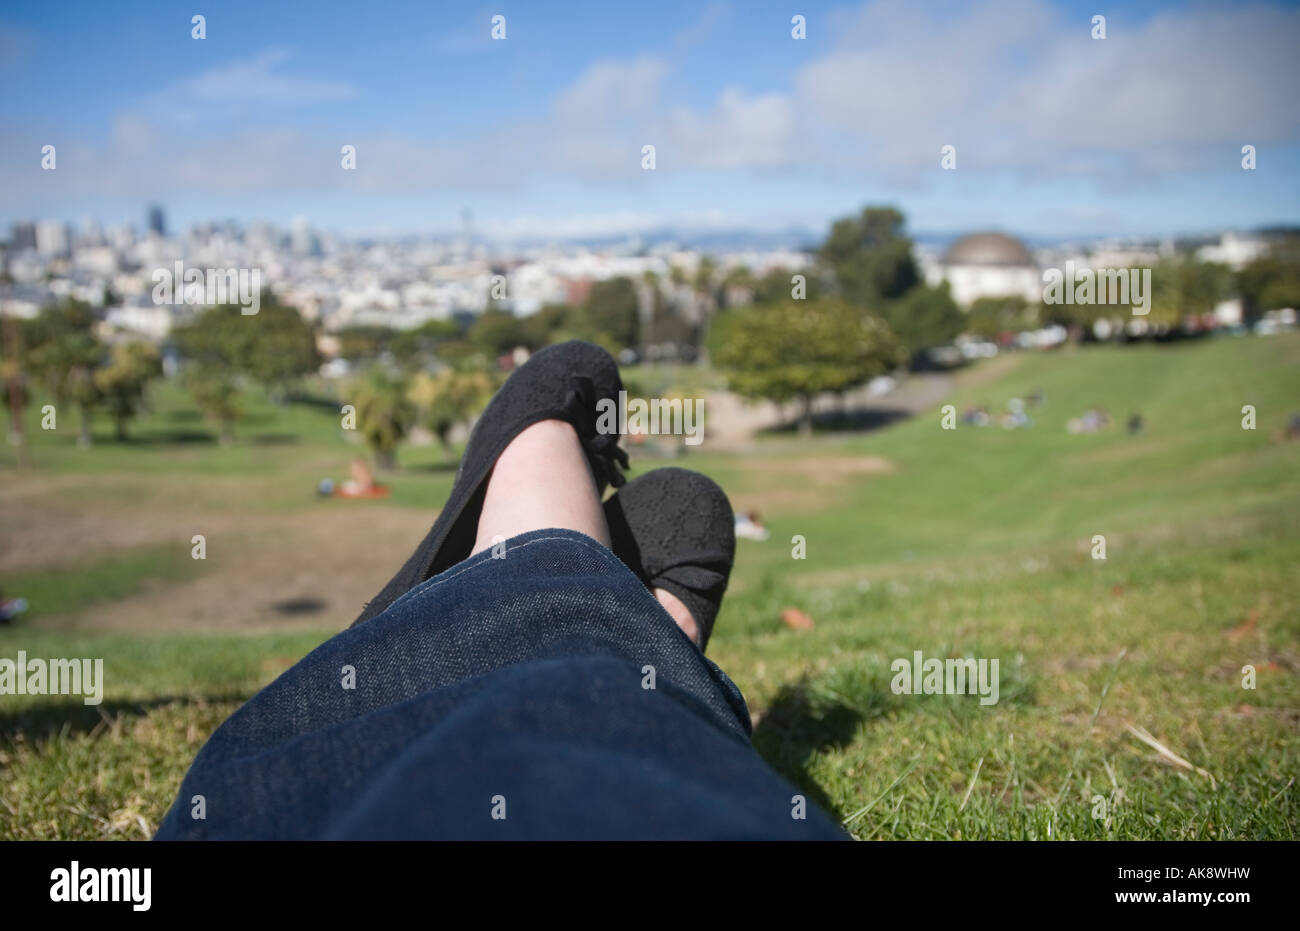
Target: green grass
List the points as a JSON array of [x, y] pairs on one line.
[[977, 543], [100, 578]]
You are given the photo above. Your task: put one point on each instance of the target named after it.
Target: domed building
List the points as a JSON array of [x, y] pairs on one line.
[[988, 265]]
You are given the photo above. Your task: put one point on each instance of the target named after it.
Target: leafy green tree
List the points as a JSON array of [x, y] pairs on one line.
[[282, 350], [216, 345], [668, 325], [219, 337], [416, 347], [799, 349], [1271, 281], [385, 413], [84, 392], [497, 332], [777, 285], [463, 355], [546, 325], [612, 311], [989, 317], [14, 395], [1183, 287], [705, 277], [870, 257], [449, 398], [123, 382], [217, 394], [738, 278], [364, 343], [64, 353], [924, 317]]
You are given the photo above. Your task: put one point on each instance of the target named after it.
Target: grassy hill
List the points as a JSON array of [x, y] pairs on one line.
[[974, 542]]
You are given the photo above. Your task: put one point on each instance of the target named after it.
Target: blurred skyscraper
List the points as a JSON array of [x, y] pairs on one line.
[[157, 221], [23, 235]]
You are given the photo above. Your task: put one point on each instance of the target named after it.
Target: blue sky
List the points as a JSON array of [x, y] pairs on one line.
[[1056, 133]]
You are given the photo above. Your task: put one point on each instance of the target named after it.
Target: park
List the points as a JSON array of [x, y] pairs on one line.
[[963, 543]]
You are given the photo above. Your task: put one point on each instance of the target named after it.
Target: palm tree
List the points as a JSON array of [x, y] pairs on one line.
[[217, 394], [385, 414], [123, 382], [447, 399]]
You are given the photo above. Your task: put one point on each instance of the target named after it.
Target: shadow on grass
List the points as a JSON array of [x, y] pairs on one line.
[[317, 401], [804, 719], [176, 437], [296, 606], [274, 439], [815, 715], [71, 717], [858, 420]]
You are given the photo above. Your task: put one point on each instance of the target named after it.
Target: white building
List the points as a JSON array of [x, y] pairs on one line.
[[1234, 250], [987, 265]]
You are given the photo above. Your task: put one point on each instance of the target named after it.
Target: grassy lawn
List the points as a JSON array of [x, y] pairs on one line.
[[972, 543]]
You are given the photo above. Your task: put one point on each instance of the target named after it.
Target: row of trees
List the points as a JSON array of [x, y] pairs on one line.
[[61, 354], [223, 351]]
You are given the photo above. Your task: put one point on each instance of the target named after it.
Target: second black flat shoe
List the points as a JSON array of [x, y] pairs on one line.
[[561, 382], [675, 529]]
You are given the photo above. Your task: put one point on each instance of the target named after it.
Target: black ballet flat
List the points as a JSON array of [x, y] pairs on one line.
[[561, 382], [675, 529]]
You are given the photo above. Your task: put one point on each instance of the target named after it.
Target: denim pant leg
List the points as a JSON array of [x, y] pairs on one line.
[[536, 690]]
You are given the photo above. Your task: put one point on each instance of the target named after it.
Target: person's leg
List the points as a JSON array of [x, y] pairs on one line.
[[522, 495], [541, 481]]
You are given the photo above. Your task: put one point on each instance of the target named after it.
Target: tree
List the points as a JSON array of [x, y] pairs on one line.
[[1183, 287], [216, 345], [217, 394], [497, 332], [738, 280], [449, 398], [385, 413], [799, 349], [416, 347], [777, 285], [990, 317], [544, 326], [924, 317], [705, 272], [359, 343], [870, 257], [14, 392], [64, 355], [15, 396], [612, 311], [282, 350], [1271, 281], [124, 380]]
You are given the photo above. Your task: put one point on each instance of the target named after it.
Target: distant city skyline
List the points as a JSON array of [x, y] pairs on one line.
[[1058, 135]]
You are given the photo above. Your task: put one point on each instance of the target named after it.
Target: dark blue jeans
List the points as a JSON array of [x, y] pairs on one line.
[[544, 694]]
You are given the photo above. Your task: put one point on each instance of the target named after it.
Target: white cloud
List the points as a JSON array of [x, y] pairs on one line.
[[738, 132], [1017, 85]]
